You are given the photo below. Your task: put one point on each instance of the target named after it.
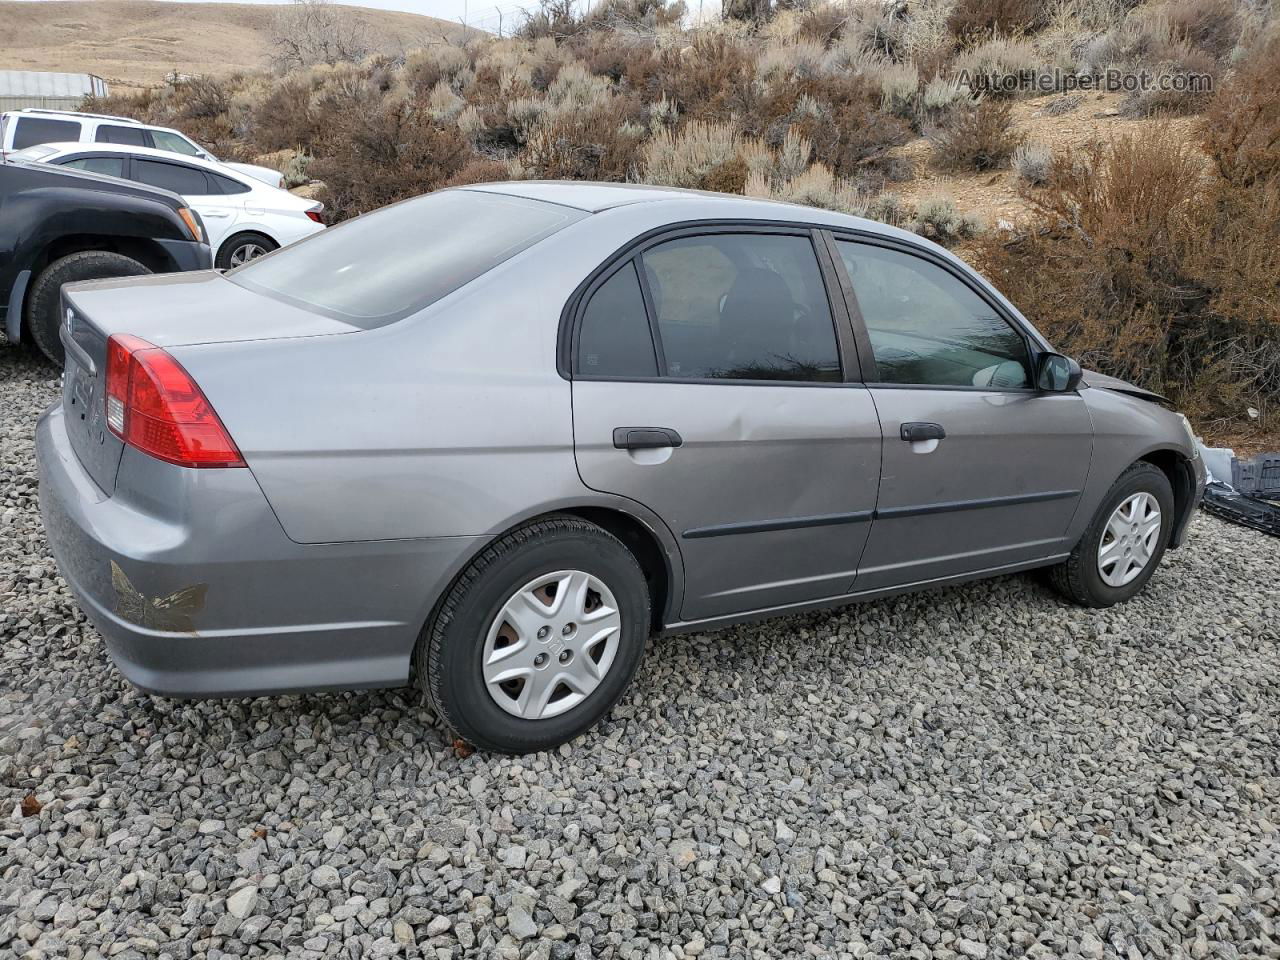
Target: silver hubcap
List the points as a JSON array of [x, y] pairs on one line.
[[551, 644], [246, 252], [1129, 539]]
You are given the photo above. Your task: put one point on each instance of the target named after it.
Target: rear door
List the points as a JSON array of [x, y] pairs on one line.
[[713, 382], [979, 469], [218, 210]]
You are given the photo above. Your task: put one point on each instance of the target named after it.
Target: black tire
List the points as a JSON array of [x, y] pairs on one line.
[[1078, 578], [44, 302], [229, 247], [449, 655]]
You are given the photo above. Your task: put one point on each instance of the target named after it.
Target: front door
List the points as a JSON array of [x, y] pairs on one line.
[[708, 386], [979, 469]]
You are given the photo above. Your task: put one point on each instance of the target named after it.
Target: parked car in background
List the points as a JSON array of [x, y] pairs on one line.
[[243, 217], [20, 129], [490, 439], [59, 225]]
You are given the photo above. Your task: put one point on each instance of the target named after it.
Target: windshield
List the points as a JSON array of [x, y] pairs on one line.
[[34, 154], [385, 265]]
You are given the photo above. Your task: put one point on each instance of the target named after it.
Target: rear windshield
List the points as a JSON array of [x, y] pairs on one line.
[[32, 154], [385, 265]]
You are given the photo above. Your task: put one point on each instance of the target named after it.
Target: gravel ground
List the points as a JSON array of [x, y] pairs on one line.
[[976, 772]]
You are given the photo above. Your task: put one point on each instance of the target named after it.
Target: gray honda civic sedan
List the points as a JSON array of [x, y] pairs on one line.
[[490, 440]]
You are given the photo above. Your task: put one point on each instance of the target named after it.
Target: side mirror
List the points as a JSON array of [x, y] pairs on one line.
[[1057, 374]]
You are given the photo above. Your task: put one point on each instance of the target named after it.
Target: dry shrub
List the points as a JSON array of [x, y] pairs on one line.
[[1033, 163], [1212, 26], [283, 118], [977, 18], [1145, 266], [979, 137], [710, 79], [1241, 130], [378, 152]]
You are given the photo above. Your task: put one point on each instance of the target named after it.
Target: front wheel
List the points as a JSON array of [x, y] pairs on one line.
[[44, 303], [242, 248], [1124, 543], [538, 638]]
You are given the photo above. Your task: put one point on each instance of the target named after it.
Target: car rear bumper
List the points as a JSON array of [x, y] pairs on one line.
[[198, 592]]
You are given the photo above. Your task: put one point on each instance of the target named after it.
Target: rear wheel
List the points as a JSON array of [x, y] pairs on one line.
[[1124, 543], [44, 303], [242, 248], [538, 638]]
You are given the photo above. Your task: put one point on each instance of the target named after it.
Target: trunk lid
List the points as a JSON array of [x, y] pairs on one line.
[[167, 310]]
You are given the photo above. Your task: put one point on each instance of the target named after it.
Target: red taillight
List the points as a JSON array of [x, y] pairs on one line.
[[315, 215], [155, 406]]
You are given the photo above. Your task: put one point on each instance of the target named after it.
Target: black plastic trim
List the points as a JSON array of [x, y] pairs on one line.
[[950, 506], [790, 523]]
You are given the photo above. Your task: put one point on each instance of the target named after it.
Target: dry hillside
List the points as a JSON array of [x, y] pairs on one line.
[[134, 43]]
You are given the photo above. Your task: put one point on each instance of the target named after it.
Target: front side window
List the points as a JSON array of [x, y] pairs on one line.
[[614, 339], [115, 133], [110, 166], [388, 264], [164, 140], [170, 176], [742, 307], [33, 130], [929, 328]]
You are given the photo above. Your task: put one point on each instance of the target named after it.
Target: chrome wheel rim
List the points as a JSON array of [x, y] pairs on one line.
[[246, 252], [551, 645], [1129, 539]]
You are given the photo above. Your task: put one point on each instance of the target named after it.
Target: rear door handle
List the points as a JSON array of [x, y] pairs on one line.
[[913, 432], [645, 438]]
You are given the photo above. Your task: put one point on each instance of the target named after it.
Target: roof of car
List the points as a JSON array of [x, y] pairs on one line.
[[598, 197], [86, 147]]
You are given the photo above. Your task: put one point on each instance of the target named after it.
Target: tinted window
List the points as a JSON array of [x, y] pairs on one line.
[[226, 184], [385, 265], [111, 166], [614, 338], [170, 176], [33, 130], [928, 327], [743, 307], [112, 133], [164, 140]]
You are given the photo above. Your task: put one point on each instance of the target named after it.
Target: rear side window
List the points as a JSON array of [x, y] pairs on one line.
[[225, 184], [742, 307], [111, 166], [385, 265], [614, 339], [171, 176], [33, 130], [114, 133]]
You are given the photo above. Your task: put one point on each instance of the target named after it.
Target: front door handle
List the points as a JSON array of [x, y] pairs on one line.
[[645, 438], [913, 432]]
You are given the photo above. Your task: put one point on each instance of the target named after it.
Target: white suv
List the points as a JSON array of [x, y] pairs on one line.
[[20, 129]]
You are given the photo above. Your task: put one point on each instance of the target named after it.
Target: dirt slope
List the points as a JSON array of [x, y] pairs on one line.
[[137, 42]]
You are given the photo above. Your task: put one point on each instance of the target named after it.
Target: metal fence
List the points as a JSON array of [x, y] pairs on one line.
[[44, 103]]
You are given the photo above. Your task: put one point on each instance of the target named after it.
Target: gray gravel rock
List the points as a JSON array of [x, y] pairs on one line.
[[975, 772]]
